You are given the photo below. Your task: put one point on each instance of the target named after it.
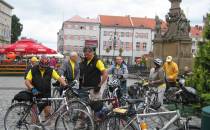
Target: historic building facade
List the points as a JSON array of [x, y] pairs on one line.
[[76, 33], [132, 37], [5, 22]]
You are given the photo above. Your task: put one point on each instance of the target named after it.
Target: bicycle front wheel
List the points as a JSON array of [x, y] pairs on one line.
[[154, 121], [74, 119], [118, 123], [190, 127], [17, 117]]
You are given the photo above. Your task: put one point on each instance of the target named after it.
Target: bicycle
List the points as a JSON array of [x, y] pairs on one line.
[[181, 123], [123, 121], [19, 115]]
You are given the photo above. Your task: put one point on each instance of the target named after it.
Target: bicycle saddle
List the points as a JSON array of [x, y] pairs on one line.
[[134, 101]]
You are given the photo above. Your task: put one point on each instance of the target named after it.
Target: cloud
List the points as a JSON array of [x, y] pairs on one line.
[[42, 19]]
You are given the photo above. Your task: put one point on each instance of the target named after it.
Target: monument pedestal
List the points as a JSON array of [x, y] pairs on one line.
[[176, 41], [180, 50]]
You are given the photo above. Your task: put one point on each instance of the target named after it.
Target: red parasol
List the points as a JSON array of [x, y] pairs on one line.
[[28, 46], [2, 50]]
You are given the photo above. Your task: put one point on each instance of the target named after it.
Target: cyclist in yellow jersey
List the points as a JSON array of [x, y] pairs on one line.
[[93, 71], [38, 81]]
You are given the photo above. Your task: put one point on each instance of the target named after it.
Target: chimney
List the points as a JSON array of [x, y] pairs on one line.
[[196, 26]]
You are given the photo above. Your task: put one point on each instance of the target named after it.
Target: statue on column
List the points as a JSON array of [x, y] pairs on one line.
[[158, 27], [183, 24]]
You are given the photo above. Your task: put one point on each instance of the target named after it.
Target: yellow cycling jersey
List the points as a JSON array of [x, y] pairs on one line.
[[54, 75]]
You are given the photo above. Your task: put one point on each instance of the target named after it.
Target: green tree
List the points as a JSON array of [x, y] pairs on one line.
[[120, 51], [201, 71], [207, 26], [17, 28]]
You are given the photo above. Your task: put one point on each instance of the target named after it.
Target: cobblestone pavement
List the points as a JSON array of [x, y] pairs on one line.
[[9, 86]]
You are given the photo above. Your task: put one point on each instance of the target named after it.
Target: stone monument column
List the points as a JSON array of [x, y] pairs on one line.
[[176, 41]]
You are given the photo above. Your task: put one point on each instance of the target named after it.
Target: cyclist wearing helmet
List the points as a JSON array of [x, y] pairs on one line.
[[156, 78], [38, 81]]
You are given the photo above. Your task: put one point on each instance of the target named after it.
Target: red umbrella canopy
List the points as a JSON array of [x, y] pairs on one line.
[[2, 50], [29, 46]]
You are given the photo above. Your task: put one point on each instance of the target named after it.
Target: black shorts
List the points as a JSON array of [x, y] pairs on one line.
[[42, 104]]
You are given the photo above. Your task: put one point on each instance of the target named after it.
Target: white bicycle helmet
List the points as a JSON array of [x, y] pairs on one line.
[[158, 61]]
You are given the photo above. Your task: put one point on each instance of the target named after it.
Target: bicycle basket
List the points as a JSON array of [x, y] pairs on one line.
[[23, 96]]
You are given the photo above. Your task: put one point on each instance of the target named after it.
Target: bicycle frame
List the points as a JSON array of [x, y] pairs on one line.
[[165, 127], [40, 123], [54, 114]]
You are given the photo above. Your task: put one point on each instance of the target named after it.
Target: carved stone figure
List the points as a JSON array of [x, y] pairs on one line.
[[183, 25], [158, 26]]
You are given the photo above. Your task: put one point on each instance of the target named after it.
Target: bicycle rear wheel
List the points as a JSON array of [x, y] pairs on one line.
[[17, 117], [74, 119]]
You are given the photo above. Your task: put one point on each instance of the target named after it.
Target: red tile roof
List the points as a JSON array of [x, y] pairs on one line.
[[127, 21], [121, 21], [77, 18], [146, 22], [196, 31]]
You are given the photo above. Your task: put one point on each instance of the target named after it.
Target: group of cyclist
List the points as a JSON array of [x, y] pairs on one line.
[[91, 72]]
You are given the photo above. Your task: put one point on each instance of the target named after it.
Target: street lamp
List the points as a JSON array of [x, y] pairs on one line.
[[115, 40]]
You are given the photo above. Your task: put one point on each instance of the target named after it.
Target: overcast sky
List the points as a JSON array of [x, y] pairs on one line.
[[42, 19]]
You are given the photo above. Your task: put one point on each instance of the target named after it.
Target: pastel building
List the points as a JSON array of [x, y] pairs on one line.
[[112, 35], [5, 22], [76, 33], [196, 35]]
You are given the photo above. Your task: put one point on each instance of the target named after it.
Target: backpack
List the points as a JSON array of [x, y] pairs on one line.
[[23, 96]]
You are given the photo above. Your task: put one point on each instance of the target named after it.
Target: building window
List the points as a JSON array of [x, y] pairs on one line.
[[105, 33], [138, 47], [127, 45], [90, 27], [127, 34], [121, 44], [122, 34], [104, 45], [142, 35], [144, 46], [76, 27], [82, 27]]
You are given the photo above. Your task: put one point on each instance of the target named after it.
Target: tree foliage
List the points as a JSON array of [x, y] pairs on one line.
[[207, 27], [201, 71], [120, 51], [17, 28]]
